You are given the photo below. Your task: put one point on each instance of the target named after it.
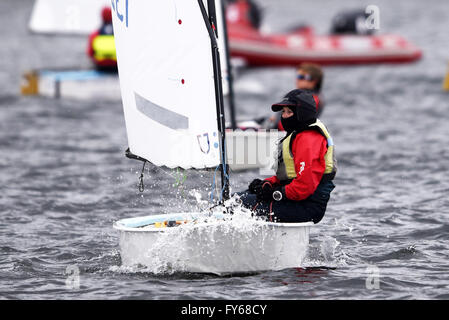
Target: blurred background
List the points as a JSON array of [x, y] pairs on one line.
[[64, 177]]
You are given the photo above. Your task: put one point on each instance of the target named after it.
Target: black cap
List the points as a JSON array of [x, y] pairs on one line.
[[301, 102]]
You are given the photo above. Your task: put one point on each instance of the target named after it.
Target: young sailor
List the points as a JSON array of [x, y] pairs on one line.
[[101, 44], [306, 166]]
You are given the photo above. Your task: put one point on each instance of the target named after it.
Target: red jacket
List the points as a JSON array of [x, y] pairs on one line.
[[308, 149]]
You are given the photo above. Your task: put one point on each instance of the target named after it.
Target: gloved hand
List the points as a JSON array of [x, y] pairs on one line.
[[255, 186], [265, 192]]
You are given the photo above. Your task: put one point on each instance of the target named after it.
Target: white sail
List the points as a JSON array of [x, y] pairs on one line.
[[67, 16], [166, 78]]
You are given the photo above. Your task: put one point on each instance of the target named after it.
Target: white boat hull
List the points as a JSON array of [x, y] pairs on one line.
[[252, 149], [88, 85], [218, 247]]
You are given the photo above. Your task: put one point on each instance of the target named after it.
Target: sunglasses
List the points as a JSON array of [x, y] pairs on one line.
[[307, 77]]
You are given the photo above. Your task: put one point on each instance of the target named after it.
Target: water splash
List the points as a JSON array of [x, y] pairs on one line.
[[326, 253], [217, 242], [328, 247]]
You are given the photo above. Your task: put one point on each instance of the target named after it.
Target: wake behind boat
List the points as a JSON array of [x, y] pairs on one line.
[[173, 107]]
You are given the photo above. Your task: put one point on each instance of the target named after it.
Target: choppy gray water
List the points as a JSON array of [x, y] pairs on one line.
[[64, 178]]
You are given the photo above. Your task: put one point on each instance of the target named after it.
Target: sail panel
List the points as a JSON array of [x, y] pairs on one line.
[[166, 77]]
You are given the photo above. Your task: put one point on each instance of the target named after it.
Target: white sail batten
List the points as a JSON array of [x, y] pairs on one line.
[[67, 16], [166, 78]]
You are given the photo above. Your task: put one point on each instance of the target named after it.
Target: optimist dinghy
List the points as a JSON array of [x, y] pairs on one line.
[[189, 242], [171, 86]]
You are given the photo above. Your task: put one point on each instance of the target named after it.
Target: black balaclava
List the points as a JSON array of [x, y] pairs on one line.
[[303, 105], [292, 123]]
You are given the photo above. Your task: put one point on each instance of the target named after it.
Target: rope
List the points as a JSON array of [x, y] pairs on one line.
[[141, 185]]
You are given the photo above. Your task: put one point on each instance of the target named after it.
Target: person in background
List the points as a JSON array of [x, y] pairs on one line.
[[106, 26], [101, 44], [306, 166], [309, 76]]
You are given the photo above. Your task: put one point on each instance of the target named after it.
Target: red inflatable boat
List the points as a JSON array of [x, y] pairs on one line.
[[258, 49], [248, 43]]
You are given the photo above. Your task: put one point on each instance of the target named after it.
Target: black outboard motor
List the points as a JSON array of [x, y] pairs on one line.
[[351, 22], [255, 14]]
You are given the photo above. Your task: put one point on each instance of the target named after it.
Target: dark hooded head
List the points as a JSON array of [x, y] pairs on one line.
[[303, 105]]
